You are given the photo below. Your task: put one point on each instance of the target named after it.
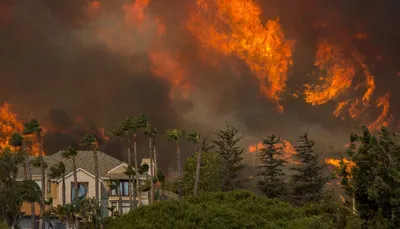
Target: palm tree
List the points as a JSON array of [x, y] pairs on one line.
[[33, 127], [127, 131], [90, 142], [71, 153], [60, 212], [174, 135], [17, 142], [58, 171], [131, 173], [115, 185], [194, 138], [141, 122], [151, 132]]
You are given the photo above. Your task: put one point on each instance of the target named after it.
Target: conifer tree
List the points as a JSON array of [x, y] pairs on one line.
[[374, 180], [270, 171], [231, 157], [307, 180]]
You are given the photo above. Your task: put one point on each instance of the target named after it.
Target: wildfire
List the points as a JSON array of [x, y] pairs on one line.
[[9, 124], [338, 78], [336, 162], [234, 27], [288, 150], [139, 26], [383, 119]]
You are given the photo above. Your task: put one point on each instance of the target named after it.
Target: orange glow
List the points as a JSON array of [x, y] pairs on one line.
[[288, 150], [9, 124], [338, 78], [103, 135], [234, 27], [384, 118], [135, 12], [342, 198], [336, 163]]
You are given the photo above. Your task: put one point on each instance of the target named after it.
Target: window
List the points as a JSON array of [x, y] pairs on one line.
[[48, 185], [123, 187], [82, 191], [126, 207]]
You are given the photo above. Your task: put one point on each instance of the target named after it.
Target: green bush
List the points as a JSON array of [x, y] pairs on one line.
[[239, 209], [3, 225]]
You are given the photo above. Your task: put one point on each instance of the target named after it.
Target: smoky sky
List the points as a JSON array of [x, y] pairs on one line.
[[53, 67]]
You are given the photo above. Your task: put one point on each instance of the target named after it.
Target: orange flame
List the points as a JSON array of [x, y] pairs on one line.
[[336, 163], [383, 119], [9, 124], [339, 74], [233, 27], [288, 150]]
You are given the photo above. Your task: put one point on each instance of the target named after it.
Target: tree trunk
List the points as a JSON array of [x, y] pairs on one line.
[[130, 183], [198, 164], [63, 190], [136, 170], [178, 161], [120, 200], [29, 177], [151, 172], [42, 177], [96, 171], [155, 166], [155, 160], [76, 188]]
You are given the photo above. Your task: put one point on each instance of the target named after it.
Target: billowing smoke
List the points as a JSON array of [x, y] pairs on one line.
[[102, 61]]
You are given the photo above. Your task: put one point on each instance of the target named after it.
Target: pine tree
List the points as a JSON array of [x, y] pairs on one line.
[[307, 180], [270, 170], [231, 157]]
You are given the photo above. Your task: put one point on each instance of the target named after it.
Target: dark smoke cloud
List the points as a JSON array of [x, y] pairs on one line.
[[53, 67]]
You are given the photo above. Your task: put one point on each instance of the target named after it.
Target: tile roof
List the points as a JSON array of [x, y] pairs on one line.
[[84, 160]]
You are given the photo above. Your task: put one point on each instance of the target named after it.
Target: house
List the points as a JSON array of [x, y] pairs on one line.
[[110, 168]]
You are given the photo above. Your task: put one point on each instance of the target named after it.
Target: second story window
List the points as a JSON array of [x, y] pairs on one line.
[[123, 187]]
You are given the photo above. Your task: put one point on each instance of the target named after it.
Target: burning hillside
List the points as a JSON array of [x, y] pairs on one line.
[[199, 63]]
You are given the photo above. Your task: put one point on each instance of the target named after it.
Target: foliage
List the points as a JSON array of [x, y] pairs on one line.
[[231, 156], [210, 179], [16, 140], [3, 225], [193, 137], [69, 153], [173, 135], [31, 127], [13, 192], [374, 182], [307, 181], [128, 125], [88, 140], [238, 209], [270, 171]]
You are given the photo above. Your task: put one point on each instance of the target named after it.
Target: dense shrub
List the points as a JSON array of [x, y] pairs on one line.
[[3, 225], [239, 209]]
